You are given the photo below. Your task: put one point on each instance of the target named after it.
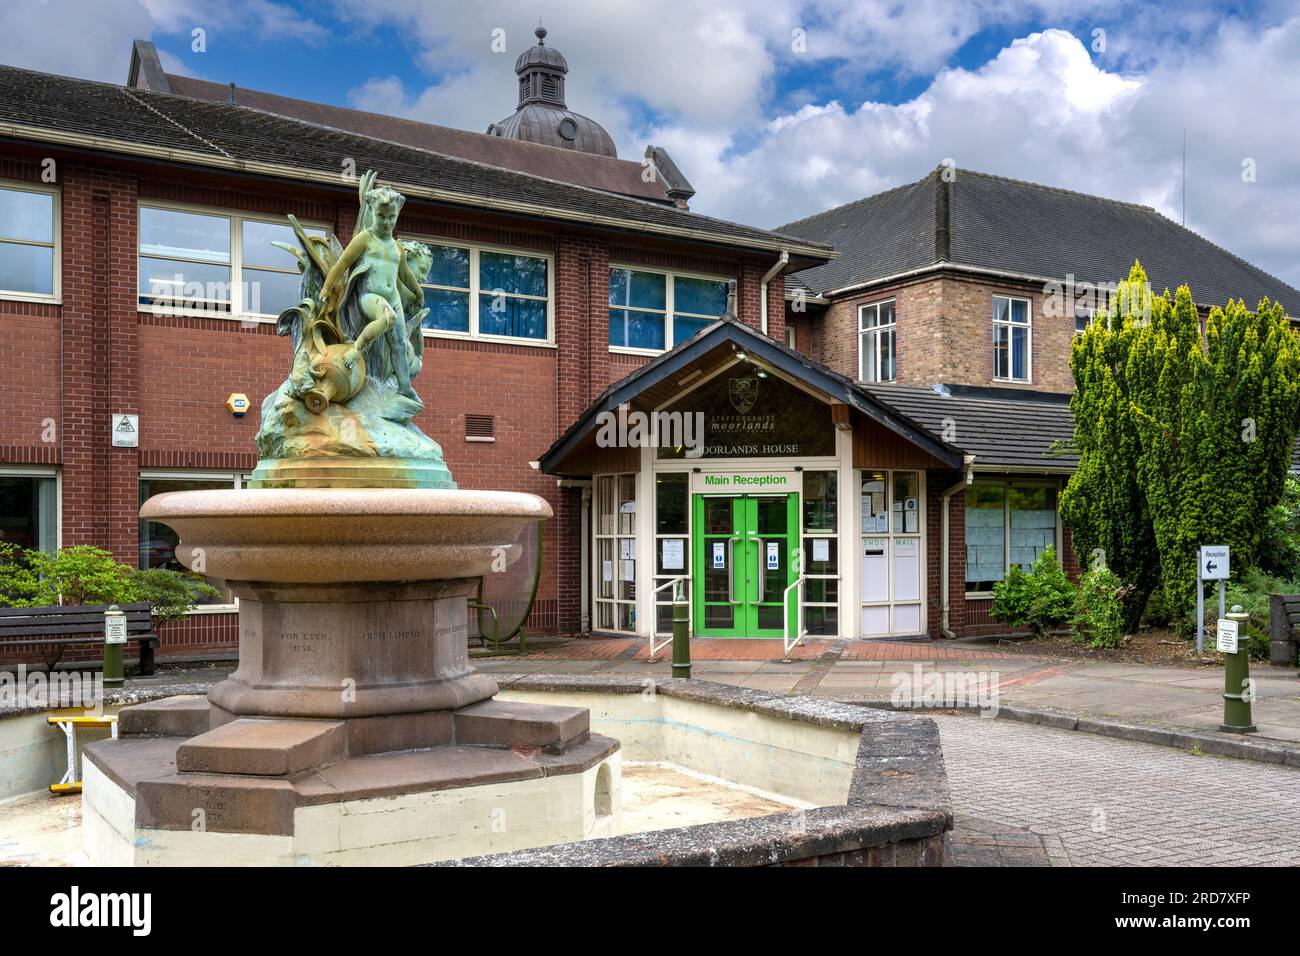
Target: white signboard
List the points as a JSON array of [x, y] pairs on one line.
[[1213, 563], [115, 629], [126, 431], [719, 555], [1226, 642], [674, 554], [751, 482], [773, 555], [821, 549]]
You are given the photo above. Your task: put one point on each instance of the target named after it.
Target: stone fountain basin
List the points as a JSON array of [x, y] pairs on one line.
[[328, 535]]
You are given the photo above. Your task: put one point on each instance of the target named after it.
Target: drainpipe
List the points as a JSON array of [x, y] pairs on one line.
[[966, 479], [584, 613], [781, 263]]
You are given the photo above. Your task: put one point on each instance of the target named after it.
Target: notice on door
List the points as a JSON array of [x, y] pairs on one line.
[[673, 552], [719, 555], [773, 555]]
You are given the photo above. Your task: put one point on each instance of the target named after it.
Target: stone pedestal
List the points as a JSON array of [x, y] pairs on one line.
[[353, 695]]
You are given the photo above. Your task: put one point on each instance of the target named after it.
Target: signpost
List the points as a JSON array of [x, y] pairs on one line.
[[1211, 565]]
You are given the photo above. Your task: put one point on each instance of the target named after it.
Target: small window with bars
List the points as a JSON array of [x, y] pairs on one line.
[[479, 428]]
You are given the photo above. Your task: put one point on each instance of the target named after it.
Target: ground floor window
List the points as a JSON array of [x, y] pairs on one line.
[[1007, 522], [891, 554], [615, 552], [29, 510], [158, 541], [672, 542]]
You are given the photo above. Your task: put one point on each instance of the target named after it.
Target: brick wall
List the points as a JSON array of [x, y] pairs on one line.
[[944, 333]]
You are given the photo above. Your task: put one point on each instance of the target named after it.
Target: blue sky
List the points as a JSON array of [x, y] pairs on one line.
[[769, 128]]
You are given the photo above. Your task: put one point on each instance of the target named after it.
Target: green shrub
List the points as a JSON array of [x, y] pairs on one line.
[[1158, 613], [81, 574], [171, 594], [1038, 599], [1098, 616]]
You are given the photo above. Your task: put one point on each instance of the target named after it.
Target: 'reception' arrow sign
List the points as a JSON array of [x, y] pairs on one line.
[[1213, 563]]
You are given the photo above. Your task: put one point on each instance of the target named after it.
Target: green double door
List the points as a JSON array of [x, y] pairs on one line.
[[745, 547]]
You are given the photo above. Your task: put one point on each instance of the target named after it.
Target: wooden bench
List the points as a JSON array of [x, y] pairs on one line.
[[1283, 628], [64, 626]]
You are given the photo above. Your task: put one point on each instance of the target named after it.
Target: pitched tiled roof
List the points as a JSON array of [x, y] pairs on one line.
[[44, 108], [1004, 430], [566, 165], [990, 222]]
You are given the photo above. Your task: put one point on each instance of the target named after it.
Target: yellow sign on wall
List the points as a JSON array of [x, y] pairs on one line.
[[237, 403]]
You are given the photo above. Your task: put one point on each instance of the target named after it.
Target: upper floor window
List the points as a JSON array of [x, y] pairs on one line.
[[876, 351], [652, 311], [196, 261], [488, 293], [1011, 338], [1083, 316], [28, 240]]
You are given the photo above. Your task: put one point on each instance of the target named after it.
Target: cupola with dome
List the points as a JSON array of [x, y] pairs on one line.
[[542, 116]]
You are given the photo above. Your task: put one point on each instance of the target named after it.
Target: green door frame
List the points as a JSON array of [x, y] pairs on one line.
[[739, 592]]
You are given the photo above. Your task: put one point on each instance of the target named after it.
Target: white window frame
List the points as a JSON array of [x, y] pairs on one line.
[[238, 480], [1079, 312], [1027, 325], [597, 536], [1006, 485], [236, 218], [921, 536], [56, 245], [475, 291], [669, 310], [877, 331]]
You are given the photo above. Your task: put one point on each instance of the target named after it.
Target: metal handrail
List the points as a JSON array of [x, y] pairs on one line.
[[798, 617], [654, 622]]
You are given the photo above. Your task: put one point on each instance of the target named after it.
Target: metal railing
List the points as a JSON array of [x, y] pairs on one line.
[[654, 628], [800, 631]]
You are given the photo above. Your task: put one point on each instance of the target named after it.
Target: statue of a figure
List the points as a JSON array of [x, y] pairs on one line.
[[357, 344]]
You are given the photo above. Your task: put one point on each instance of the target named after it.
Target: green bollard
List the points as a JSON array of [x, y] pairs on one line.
[[1236, 680], [114, 642], [681, 632]]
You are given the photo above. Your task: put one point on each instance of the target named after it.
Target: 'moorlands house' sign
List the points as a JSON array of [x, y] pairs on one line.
[[746, 416]]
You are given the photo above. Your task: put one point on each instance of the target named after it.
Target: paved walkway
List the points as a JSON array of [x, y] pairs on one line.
[[1028, 795], [1181, 697]]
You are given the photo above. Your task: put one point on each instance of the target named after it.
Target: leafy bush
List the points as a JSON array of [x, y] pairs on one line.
[[1038, 599], [171, 594], [1158, 613], [1279, 549], [1251, 590], [1098, 616], [81, 574]]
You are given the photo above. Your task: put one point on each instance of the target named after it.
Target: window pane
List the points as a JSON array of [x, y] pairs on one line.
[[868, 317], [26, 268], [1019, 311], [636, 330], [26, 215], [887, 313], [517, 318], [177, 282], [504, 272], [158, 541], [1001, 308], [27, 512], [1033, 523], [270, 293], [450, 267], [257, 238], [1019, 352], [985, 537], [1001, 357], [671, 500], [906, 505], [700, 296], [819, 500], [870, 356], [684, 328], [886, 337], [646, 290], [874, 514], [190, 235], [448, 311]]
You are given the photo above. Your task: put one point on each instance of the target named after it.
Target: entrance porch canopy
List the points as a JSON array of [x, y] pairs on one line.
[[882, 435]]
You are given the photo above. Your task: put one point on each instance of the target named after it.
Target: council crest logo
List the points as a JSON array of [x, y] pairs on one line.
[[743, 392]]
